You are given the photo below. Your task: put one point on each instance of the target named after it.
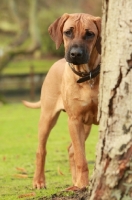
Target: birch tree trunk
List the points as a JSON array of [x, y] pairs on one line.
[[112, 179]]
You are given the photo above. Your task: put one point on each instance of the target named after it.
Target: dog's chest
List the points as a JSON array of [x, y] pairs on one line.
[[81, 101]]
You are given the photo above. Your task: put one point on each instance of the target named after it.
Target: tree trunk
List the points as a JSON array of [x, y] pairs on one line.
[[112, 179]]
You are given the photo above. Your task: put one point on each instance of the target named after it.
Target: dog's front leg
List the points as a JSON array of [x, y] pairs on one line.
[[72, 163], [45, 125], [71, 154], [39, 176], [78, 137]]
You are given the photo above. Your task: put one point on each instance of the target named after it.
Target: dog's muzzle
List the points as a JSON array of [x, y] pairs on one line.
[[77, 55]]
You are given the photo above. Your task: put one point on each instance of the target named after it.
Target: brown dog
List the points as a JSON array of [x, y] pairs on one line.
[[71, 85]]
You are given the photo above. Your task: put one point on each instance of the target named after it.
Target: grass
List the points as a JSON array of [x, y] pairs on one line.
[[24, 66], [18, 143]]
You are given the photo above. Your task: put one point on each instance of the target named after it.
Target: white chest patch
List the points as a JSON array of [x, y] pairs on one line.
[[84, 103]]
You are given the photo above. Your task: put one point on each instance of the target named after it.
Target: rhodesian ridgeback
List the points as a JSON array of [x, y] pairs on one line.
[[71, 85]]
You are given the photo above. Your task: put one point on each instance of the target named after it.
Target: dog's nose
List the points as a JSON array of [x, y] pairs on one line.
[[76, 52]]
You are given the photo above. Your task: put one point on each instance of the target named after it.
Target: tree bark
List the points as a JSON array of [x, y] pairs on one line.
[[112, 178]]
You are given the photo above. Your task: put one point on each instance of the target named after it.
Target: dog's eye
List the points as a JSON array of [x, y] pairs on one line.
[[68, 33], [89, 35]]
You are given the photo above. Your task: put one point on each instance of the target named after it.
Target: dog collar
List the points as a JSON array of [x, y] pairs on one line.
[[85, 76]]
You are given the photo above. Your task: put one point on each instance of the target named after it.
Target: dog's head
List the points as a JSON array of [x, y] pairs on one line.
[[80, 34]]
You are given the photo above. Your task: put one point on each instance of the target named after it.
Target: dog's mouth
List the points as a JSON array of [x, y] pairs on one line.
[[81, 70], [76, 62]]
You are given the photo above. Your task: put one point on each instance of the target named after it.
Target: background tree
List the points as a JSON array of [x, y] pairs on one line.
[[21, 21], [112, 179], [27, 22]]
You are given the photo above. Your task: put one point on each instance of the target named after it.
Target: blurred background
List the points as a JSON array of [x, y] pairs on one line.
[[26, 50]]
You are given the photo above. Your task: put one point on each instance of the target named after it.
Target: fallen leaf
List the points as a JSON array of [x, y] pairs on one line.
[[18, 156], [21, 169], [4, 158], [59, 171], [27, 195], [21, 175]]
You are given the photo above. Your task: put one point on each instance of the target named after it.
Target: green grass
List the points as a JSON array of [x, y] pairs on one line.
[[23, 66], [18, 143]]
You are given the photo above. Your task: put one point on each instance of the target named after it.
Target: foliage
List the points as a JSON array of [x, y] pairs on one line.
[[17, 17], [18, 145], [24, 25]]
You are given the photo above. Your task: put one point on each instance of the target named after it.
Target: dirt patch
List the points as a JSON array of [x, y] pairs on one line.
[[77, 195]]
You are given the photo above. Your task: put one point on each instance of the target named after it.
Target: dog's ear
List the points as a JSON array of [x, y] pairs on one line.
[[56, 28], [97, 21]]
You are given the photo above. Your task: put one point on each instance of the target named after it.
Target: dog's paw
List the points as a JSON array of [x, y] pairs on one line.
[[75, 188], [72, 188], [39, 185]]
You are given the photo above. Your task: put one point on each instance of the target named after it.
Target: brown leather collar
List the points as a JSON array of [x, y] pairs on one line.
[[85, 76]]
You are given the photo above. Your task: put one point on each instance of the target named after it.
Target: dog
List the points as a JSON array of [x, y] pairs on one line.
[[71, 85]]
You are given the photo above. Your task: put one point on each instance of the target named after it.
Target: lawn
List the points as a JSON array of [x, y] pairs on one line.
[[23, 66], [18, 143]]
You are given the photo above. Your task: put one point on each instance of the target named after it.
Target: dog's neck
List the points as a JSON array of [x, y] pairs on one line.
[[86, 76], [95, 59]]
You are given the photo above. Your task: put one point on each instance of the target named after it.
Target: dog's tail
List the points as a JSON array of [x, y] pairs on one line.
[[32, 105]]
